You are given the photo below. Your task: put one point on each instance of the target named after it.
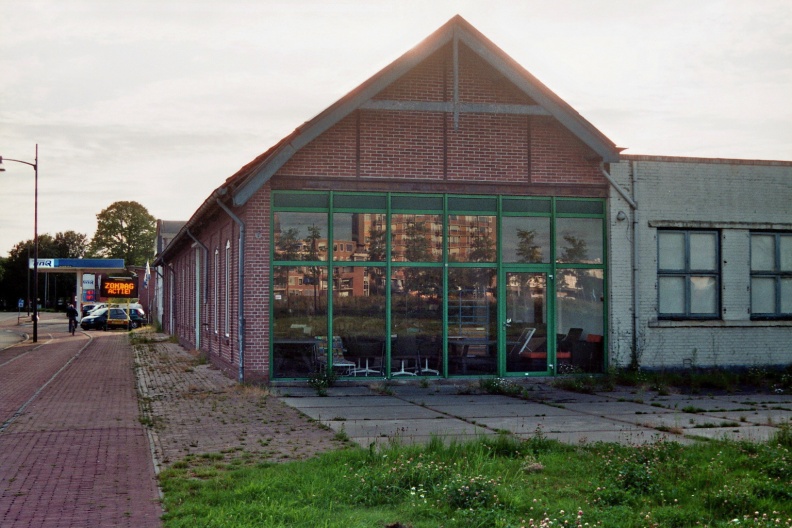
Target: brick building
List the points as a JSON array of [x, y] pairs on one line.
[[453, 217]]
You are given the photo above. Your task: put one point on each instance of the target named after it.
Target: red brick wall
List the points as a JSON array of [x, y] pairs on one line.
[[559, 157], [410, 145], [257, 286], [221, 349]]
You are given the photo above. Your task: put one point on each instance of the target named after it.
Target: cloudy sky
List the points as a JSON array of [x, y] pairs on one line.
[[160, 101]]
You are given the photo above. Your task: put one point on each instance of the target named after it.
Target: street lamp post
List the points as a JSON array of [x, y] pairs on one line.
[[35, 238]]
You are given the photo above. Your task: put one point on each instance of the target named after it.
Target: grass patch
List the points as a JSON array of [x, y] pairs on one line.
[[494, 482]]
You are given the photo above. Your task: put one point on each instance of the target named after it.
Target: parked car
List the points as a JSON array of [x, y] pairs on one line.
[[105, 318], [90, 307]]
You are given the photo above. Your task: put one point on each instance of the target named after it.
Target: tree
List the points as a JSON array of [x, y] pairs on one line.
[[71, 244], [287, 247], [417, 242], [125, 230], [575, 249], [15, 279], [312, 242], [527, 249]]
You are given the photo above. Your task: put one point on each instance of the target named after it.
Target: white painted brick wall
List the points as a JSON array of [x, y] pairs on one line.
[[733, 196]]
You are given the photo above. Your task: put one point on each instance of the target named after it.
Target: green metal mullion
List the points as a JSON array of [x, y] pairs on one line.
[[500, 276], [551, 290], [330, 285], [445, 287], [490, 265], [605, 289], [271, 286], [571, 265], [388, 289]]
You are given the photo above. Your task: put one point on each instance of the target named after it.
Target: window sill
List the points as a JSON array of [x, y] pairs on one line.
[[716, 323]]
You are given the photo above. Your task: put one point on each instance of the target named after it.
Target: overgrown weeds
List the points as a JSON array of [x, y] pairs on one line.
[[690, 381], [322, 379], [497, 481]]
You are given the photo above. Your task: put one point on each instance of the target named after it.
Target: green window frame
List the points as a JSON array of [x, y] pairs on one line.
[[444, 210]]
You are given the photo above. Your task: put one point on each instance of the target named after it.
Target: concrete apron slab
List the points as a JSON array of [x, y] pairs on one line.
[[758, 416], [414, 414], [408, 431], [751, 433], [364, 413]]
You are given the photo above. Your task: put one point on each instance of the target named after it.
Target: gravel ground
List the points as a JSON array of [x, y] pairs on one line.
[[191, 408]]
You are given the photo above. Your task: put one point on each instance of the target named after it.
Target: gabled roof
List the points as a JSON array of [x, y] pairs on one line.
[[251, 177]]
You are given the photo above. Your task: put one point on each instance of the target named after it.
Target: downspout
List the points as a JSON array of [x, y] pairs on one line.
[[172, 292], [206, 262], [241, 282], [632, 201], [618, 187], [635, 294]]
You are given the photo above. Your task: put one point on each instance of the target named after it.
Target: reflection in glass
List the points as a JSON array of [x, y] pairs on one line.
[[579, 240], [703, 295], [579, 321], [359, 318], [417, 321], [526, 331], [471, 238], [472, 321], [416, 238], [359, 237], [299, 314], [526, 239], [300, 236]]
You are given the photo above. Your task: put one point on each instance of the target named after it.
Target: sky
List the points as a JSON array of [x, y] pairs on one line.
[[160, 101]]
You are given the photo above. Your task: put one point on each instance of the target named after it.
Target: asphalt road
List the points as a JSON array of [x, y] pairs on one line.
[[11, 335]]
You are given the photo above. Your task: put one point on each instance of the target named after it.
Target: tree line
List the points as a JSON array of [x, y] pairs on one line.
[[124, 230]]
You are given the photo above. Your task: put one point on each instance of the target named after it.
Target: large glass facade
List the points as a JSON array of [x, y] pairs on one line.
[[394, 284]]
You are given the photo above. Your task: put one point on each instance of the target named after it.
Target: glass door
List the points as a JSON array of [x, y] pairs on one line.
[[526, 322]]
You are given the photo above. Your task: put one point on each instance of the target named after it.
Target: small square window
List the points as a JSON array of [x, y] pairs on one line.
[[688, 274]]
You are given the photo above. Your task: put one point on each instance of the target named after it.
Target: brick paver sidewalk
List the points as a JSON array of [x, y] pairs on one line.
[[77, 455]]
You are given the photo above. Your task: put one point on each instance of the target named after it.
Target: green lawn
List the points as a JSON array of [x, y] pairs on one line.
[[496, 482]]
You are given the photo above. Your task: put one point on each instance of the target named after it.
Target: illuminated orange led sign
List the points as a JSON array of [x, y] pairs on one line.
[[124, 288]]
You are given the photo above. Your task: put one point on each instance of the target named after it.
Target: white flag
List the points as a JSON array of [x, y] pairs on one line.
[[147, 276]]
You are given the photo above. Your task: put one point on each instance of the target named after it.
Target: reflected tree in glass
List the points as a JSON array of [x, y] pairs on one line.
[[417, 244], [482, 246], [575, 249], [312, 242], [376, 248], [528, 250], [287, 246]]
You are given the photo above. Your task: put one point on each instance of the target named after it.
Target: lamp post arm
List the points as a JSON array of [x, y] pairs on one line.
[[34, 165]]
